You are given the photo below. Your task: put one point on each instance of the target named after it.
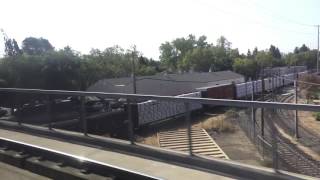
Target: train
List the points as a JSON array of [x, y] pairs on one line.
[[153, 111]]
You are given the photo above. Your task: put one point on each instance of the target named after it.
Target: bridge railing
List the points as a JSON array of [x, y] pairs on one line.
[[186, 105]]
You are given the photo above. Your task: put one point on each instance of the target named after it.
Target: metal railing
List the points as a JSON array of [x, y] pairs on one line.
[[130, 98]]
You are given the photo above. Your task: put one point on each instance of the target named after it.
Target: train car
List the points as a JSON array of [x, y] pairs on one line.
[[258, 86], [241, 90], [224, 91], [152, 110]]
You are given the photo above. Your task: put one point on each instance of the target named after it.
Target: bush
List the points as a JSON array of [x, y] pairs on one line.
[[317, 116], [218, 124]]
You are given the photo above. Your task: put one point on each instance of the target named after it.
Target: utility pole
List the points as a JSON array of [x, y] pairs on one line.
[[318, 52], [133, 69]]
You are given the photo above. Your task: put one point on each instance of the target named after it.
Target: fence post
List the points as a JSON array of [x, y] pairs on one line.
[[274, 146], [296, 120], [130, 121], [253, 112], [49, 111], [246, 88], [83, 119], [262, 109], [187, 108], [19, 109]]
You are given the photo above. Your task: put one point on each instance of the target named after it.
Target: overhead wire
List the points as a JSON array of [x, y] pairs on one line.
[[271, 13], [250, 20]]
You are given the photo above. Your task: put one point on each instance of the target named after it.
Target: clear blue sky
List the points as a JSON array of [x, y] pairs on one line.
[[86, 24]]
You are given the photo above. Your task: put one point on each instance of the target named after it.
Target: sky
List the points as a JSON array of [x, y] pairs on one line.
[[87, 24]]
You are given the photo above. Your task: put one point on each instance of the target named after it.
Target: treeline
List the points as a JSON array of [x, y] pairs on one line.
[[37, 64], [192, 54]]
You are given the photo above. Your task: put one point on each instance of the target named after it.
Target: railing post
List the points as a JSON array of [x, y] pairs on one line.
[[49, 111], [19, 108], [187, 116], [246, 88], [274, 146], [262, 110], [130, 121], [296, 120], [83, 119], [253, 112]]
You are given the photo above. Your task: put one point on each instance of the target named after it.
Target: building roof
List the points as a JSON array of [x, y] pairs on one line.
[[164, 84]]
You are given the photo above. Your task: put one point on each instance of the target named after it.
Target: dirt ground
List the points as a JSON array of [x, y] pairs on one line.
[[228, 135], [237, 145]]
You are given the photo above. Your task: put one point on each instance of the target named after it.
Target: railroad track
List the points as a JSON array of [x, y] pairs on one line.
[[59, 165], [289, 153], [307, 137], [202, 143]]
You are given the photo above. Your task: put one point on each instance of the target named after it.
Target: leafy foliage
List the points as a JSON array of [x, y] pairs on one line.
[[36, 46], [39, 65]]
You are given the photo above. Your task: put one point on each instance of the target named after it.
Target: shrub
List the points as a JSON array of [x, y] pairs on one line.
[[317, 116]]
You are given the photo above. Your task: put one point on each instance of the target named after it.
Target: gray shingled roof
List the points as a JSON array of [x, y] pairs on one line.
[[164, 84]]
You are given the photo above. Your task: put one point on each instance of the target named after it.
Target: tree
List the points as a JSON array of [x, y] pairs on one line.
[[172, 53], [246, 67], [249, 55], [169, 56], [255, 52], [275, 52], [11, 46], [264, 60], [223, 43], [199, 59], [304, 48], [36, 46]]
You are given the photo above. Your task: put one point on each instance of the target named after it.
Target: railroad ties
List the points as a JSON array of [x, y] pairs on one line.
[[202, 143]]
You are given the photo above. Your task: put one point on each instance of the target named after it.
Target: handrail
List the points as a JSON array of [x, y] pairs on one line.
[[133, 97], [221, 102]]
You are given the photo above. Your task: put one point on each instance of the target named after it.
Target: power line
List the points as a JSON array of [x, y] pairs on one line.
[[254, 21], [270, 12]]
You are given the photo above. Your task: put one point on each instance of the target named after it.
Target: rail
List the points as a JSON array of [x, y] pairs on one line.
[[134, 147], [207, 101]]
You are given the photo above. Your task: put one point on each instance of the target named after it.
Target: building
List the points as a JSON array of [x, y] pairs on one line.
[[167, 84]]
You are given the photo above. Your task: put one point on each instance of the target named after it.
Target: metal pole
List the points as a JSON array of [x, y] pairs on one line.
[[296, 120], [262, 109], [273, 88], [130, 122], [134, 71], [19, 109], [253, 112], [246, 90], [83, 119], [274, 147], [49, 111], [318, 52], [187, 108]]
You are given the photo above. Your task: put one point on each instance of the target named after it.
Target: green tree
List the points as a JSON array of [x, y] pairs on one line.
[[275, 52], [11, 47], [246, 67], [36, 46]]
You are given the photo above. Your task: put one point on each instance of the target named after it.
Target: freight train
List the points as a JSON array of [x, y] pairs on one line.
[[153, 111]]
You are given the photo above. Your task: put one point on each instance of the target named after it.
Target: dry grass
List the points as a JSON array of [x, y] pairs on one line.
[[151, 140], [267, 163], [219, 123]]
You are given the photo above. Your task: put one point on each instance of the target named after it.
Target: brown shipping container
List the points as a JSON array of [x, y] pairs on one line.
[[221, 92]]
